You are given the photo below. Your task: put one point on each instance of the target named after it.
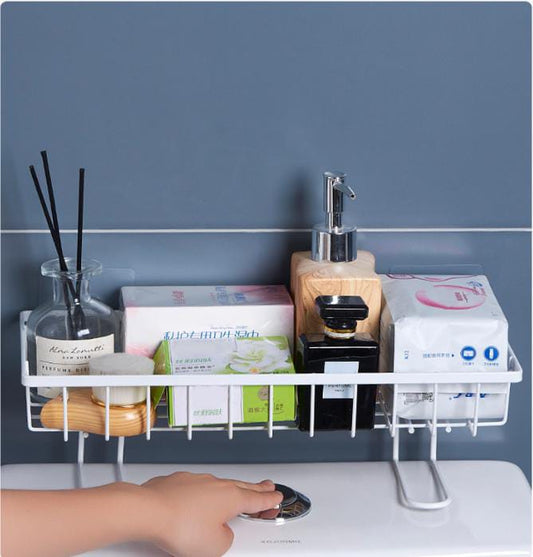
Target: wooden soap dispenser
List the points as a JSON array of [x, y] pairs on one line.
[[334, 266]]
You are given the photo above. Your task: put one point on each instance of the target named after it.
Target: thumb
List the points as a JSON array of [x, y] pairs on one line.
[[257, 501], [225, 539]]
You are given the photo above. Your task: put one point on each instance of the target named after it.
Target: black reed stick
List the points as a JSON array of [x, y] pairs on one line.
[[54, 233], [73, 290], [62, 263], [78, 312], [57, 243], [52, 199], [81, 191]]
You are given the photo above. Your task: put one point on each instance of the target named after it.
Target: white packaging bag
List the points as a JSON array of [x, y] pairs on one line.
[[450, 405], [442, 323]]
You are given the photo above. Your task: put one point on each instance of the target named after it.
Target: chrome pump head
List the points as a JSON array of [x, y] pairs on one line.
[[333, 240]]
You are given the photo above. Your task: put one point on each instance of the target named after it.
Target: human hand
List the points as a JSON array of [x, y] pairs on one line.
[[190, 511]]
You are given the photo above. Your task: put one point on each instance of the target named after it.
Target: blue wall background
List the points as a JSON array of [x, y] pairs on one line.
[[194, 117]]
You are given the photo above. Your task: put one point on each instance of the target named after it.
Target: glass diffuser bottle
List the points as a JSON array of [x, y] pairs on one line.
[[64, 333]]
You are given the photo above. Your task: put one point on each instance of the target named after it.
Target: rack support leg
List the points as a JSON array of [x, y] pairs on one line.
[[444, 499]]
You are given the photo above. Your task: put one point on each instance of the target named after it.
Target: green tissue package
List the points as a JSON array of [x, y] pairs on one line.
[[209, 404]]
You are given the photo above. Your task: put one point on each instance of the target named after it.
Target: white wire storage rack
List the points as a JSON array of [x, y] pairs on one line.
[[387, 417]]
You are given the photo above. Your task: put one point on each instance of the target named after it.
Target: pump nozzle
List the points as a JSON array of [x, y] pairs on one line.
[[347, 190], [334, 191], [334, 241]]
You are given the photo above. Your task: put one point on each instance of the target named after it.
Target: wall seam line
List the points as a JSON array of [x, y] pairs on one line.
[[267, 230]]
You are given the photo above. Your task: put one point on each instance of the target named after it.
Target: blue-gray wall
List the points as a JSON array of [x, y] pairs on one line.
[[202, 116]]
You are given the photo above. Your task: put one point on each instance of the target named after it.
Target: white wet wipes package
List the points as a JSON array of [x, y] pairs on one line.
[[441, 323], [450, 406], [447, 324]]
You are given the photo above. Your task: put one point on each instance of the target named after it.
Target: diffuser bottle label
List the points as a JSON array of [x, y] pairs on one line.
[[68, 357]]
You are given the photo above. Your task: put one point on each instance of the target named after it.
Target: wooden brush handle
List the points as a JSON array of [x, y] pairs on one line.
[[86, 415]]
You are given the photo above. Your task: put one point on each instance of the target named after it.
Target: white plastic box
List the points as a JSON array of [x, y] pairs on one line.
[[156, 313]]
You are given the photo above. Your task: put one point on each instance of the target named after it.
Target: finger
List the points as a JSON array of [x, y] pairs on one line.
[[254, 501], [264, 515], [265, 485]]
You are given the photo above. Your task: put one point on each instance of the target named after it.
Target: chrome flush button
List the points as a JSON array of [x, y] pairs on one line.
[[289, 495], [293, 506]]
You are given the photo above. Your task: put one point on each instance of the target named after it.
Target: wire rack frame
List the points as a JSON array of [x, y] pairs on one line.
[[387, 417]]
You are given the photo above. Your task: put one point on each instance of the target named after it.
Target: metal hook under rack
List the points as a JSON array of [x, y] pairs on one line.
[[444, 499]]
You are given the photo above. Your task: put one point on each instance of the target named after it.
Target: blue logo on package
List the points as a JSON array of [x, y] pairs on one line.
[[491, 353], [468, 353]]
